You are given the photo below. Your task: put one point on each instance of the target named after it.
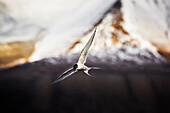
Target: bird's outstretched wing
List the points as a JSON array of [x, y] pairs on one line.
[[84, 52], [63, 76]]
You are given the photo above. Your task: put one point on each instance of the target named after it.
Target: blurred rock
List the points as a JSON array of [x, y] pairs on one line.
[[120, 88]]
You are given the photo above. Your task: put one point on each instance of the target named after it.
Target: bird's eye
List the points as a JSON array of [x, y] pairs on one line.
[[75, 66]]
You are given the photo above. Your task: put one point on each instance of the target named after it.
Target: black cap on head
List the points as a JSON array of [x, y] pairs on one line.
[[75, 67]]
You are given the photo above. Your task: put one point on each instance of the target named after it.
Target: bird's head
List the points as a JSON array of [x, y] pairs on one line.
[[75, 67]]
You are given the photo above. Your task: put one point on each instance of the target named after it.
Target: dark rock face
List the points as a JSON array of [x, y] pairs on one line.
[[118, 88]]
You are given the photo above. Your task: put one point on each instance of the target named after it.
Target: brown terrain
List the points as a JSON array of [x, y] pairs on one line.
[[15, 53], [123, 87]]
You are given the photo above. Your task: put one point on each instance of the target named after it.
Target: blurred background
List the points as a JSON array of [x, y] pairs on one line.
[[41, 39]]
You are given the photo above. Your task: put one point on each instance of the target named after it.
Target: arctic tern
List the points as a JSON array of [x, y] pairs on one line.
[[79, 66]]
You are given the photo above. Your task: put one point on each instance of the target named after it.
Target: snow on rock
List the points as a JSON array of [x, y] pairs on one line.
[[114, 42], [64, 21], [129, 30], [149, 19]]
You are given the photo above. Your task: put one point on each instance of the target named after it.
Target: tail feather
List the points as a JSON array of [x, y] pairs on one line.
[[95, 68], [87, 72]]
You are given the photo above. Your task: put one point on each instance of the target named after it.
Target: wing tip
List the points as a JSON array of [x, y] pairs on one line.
[[95, 29], [53, 83], [94, 32]]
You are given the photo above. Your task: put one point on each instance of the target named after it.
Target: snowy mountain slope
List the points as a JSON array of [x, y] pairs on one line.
[[151, 20], [114, 42], [127, 30]]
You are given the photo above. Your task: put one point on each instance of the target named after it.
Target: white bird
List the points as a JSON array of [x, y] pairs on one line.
[[80, 65]]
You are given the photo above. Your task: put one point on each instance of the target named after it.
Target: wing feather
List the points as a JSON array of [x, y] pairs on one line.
[[84, 52], [63, 76]]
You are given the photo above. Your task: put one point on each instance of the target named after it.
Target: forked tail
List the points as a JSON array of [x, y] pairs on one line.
[[87, 70]]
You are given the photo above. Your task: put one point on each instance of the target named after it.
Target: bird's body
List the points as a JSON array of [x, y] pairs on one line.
[[79, 66]]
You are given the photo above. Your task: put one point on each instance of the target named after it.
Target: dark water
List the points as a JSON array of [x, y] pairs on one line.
[[114, 89]]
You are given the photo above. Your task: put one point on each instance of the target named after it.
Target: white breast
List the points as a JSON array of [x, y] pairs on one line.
[[81, 66]]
